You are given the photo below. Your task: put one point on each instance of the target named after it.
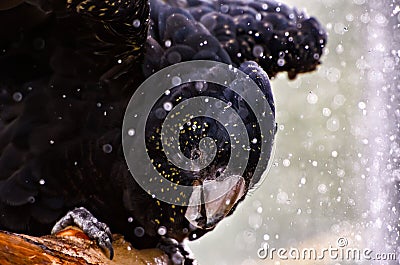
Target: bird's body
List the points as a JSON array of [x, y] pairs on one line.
[[65, 81]]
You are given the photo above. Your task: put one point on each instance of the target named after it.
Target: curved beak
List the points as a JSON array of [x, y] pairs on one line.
[[214, 200]]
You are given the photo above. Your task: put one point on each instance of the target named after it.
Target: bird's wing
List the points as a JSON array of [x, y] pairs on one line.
[[277, 37], [61, 81]]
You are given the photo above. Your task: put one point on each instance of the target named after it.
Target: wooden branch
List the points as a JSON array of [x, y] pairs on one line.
[[71, 247]]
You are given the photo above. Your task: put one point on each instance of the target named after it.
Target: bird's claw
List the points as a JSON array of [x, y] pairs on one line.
[[94, 229]]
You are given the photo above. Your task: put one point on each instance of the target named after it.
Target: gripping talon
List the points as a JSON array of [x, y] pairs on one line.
[[95, 230]]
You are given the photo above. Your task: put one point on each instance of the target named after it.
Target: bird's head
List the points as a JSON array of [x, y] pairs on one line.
[[220, 151]]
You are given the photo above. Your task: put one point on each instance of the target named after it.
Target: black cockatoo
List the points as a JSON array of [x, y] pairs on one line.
[[68, 69]]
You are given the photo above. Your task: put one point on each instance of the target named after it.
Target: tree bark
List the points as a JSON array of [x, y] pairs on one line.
[[71, 247]]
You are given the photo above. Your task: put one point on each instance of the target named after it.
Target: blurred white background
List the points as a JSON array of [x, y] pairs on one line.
[[334, 171]]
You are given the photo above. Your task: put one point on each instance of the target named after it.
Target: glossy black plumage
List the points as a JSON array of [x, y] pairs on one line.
[[65, 80], [277, 37]]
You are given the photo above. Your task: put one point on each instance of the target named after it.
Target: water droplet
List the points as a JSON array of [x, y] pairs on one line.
[[107, 148], [258, 17], [282, 197], [362, 105], [176, 80], [167, 92], [31, 199], [340, 172], [381, 19], [42, 181], [17, 96], [322, 188], [333, 124], [218, 104], [162, 230], [326, 112], [254, 141], [200, 86], [312, 98], [139, 231], [168, 43], [349, 17], [131, 132], [130, 219], [339, 28], [51, 142], [286, 162], [167, 106], [224, 8], [339, 49], [136, 23], [258, 51], [334, 153], [281, 62]]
